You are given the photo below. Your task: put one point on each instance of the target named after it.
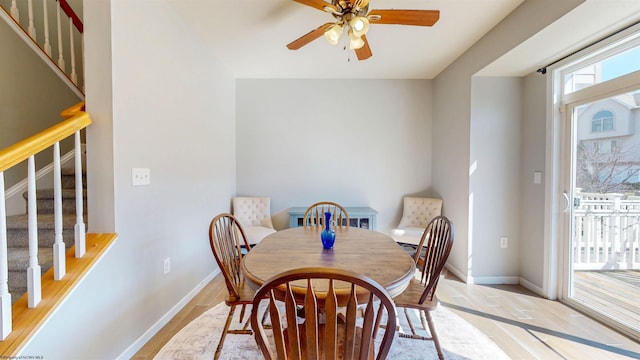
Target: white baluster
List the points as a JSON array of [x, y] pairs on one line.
[[80, 230], [578, 239], [31, 28], [635, 240], [47, 44], [74, 76], [60, 57], [15, 13], [34, 273], [5, 295], [59, 263]]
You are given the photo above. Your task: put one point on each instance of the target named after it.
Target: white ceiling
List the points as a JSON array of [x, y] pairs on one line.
[[249, 37]]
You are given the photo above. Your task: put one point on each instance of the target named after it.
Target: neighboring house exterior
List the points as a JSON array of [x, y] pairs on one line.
[[608, 140]]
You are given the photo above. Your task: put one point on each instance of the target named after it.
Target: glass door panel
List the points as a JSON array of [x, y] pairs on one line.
[[604, 251]]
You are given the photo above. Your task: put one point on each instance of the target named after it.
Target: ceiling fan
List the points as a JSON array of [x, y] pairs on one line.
[[354, 15]]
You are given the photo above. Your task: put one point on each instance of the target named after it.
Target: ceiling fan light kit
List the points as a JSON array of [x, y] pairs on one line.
[[355, 15]]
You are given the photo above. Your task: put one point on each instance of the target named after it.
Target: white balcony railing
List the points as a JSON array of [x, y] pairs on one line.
[[606, 231]]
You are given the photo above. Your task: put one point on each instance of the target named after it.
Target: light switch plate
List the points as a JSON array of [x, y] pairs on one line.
[[537, 177]]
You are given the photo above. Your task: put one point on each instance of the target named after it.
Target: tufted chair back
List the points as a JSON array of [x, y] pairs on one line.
[[253, 211], [418, 212]]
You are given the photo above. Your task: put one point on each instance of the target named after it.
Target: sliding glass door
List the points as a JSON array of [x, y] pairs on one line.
[[601, 255]]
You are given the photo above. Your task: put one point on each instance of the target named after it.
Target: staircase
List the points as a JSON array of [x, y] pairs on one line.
[[18, 233]]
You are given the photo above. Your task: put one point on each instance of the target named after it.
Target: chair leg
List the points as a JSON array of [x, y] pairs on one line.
[[413, 330], [244, 306], [423, 319], [434, 336], [264, 318], [224, 332]]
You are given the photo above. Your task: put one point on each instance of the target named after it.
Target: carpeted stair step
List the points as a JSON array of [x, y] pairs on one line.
[[45, 204], [69, 178], [18, 230], [18, 264]]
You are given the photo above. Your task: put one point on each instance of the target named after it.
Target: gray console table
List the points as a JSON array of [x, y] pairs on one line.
[[361, 217]]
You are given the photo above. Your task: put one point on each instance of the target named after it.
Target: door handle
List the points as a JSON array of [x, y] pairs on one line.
[[567, 202]]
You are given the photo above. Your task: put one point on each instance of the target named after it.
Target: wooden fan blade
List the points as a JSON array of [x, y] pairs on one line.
[[405, 17], [308, 37], [365, 51], [317, 4]]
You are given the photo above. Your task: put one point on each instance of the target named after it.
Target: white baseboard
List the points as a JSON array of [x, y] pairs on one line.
[[153, 330], [531, 286], [494, 280], [457, 273]]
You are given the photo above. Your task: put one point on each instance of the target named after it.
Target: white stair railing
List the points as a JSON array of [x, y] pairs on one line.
[[69, 47], [13, 155]]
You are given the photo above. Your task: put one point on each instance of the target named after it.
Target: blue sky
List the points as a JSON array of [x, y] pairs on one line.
[[622, 64]]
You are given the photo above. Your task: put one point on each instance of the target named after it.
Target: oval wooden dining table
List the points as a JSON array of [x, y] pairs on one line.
[[365, 252]]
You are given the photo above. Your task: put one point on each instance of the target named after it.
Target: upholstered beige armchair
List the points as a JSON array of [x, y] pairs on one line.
[[417, 212], [254, 215]]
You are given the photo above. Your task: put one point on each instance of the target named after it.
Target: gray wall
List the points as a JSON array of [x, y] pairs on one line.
[[301, 141], [494, 178], [172, 113], [532, 196]]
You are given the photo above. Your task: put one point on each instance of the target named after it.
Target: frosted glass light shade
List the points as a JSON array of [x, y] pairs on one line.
[[333, 34], [355, 42], [359, 25]]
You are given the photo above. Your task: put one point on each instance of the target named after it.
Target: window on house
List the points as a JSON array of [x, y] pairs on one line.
[[602, 121], [603, 68]]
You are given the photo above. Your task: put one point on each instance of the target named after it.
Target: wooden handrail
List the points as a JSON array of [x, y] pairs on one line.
[[64, 5], [72, 110], [22, 150]]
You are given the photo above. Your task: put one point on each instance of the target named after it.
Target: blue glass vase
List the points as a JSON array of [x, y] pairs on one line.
[[328, 236]]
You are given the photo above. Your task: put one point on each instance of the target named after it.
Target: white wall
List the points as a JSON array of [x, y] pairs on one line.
[[452, 121], [532, 196], [173, 112], [355, 142], [494, 178]]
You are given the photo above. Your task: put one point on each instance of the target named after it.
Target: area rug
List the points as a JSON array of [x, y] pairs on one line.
[[459, 339]]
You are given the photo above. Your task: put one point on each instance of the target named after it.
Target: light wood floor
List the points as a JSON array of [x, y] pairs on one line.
[[523, 324]]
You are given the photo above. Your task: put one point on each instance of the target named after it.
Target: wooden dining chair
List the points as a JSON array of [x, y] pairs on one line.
[[421, 293], [314, 216], [323, 331], [228, 241]]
